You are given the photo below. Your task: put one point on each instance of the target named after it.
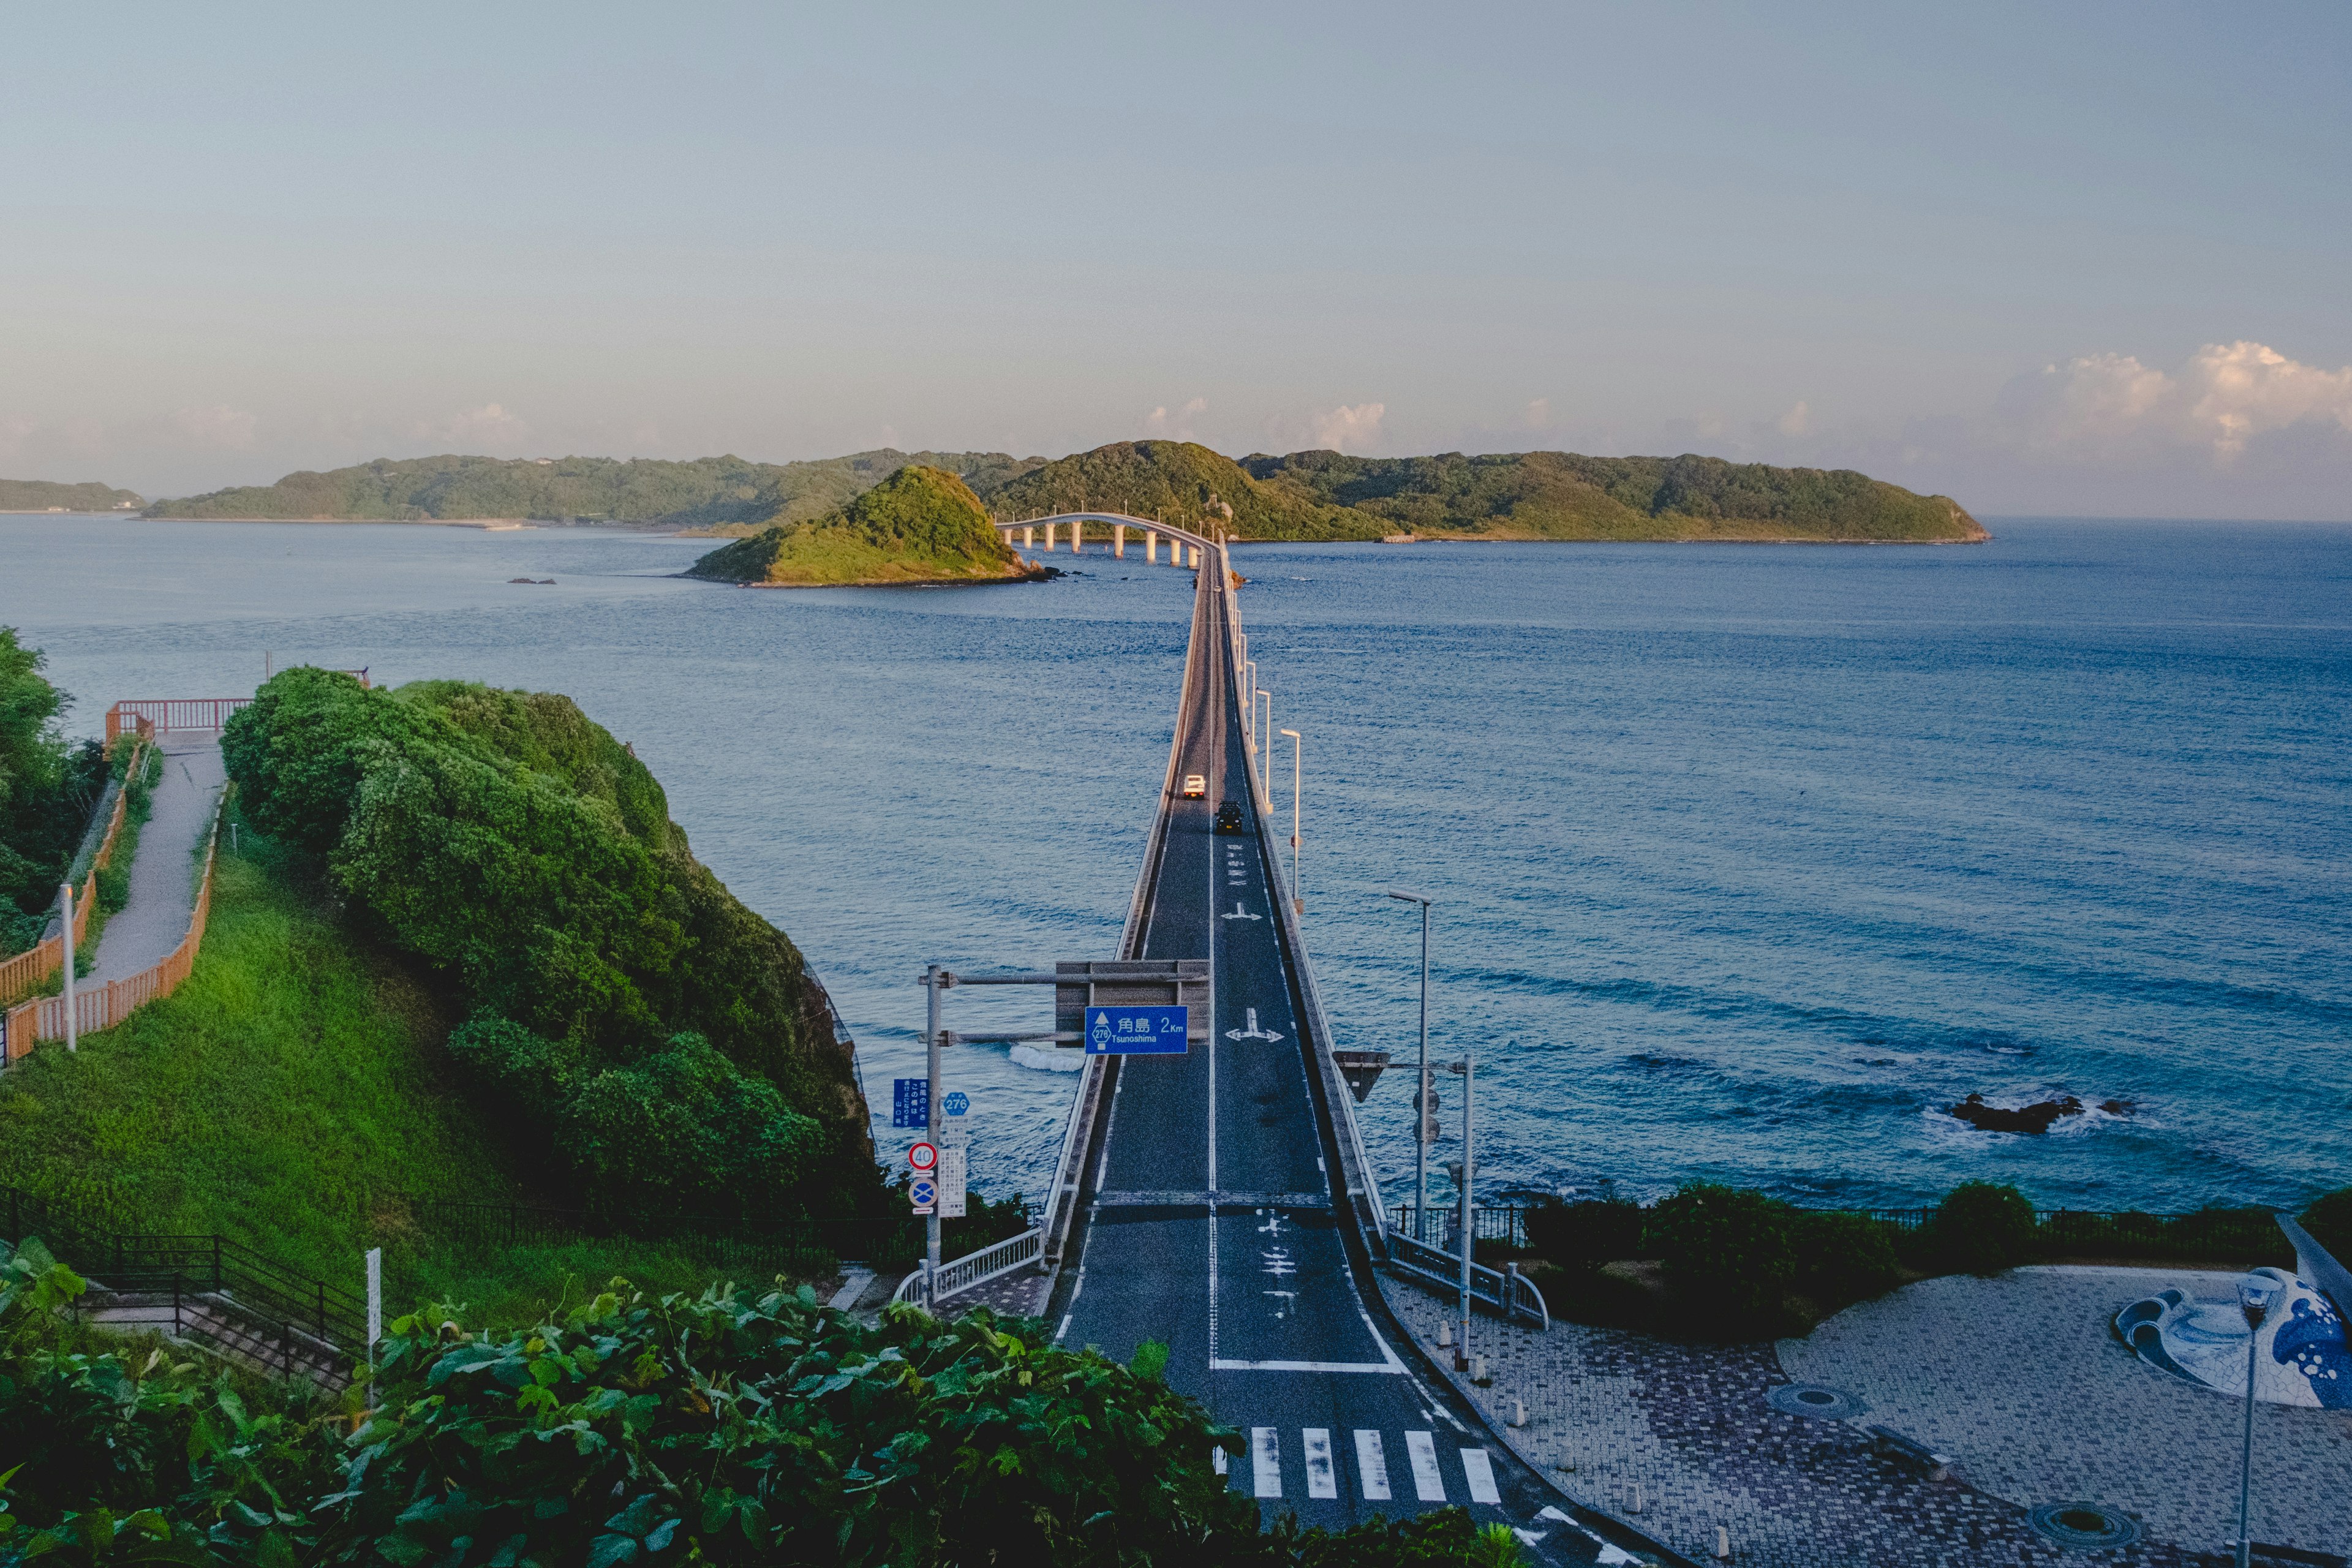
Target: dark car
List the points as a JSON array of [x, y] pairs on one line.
[[1229, 817]]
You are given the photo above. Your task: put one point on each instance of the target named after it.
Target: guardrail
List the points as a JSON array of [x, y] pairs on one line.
[[31, 969], [171, 713], [2204, 1234], [1007, 1256], [1510, 1292], [104, 1006]]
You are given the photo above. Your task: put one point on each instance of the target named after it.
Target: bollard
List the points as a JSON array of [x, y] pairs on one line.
[[1518, 1412], [1444, 1335], [1722, 1543], [1637, 1499], [1478, 1371]]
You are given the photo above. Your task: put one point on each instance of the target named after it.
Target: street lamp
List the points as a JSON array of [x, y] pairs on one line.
[[1297, 746], [2255, 1294], [1421, 1098]]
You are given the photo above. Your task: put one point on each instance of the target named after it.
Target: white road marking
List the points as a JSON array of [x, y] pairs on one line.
[[1481, 1471], [1240, 913], [1322, 1480], [1427, 1484], [1253, 1032], [1372, 1465], [1265, 1460], [1219, 1364]]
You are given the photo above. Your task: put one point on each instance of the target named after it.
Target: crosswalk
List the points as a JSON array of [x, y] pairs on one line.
[[1323, 1468]]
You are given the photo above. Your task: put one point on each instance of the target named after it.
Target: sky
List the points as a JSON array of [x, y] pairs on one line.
[[2089, 259]]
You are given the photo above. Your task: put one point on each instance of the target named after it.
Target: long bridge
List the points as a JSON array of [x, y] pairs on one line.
[[1219, 1201]]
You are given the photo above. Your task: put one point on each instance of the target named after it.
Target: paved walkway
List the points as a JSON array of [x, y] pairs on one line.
[[2010, 1376], [163, 873]]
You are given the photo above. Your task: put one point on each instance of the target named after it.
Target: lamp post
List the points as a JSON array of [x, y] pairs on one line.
[[1421, 1097], [2255, 1294], [1469, 1179], [1297, 746]]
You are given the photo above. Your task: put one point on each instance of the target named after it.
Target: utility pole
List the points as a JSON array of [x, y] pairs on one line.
[[1298, 745], [66, 890]]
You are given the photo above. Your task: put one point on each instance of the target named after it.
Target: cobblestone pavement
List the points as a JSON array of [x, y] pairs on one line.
[[1618, 1418], [2019, 1379]]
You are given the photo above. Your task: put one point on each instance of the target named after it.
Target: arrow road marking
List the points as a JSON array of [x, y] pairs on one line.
[[1253, 1032], [1240, 913]]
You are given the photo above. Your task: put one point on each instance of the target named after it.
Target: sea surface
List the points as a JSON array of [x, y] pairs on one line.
[[1747, 861]]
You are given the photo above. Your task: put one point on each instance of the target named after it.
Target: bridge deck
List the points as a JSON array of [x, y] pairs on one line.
[[1208, 1218]]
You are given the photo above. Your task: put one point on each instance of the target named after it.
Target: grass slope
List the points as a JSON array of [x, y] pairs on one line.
[[919, 525], [46, 495], [725, 493], [296, 1072]]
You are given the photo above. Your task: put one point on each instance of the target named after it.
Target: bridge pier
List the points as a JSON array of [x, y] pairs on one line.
[[1028, 538], [1050, 528], [1151, 547], [1118, 541], [1078, 536], [1195, 553], [1008, 534]]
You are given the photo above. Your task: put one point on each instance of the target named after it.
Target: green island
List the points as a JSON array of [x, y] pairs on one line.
[[1317, 495], [920, 525], [47, 495], [706, 493]]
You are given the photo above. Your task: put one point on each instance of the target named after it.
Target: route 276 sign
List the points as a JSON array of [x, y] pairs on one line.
[[1135, 1031]]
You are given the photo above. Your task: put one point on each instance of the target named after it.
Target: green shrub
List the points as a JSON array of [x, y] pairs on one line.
[[1982, 1228], [523, 853], [1842, 1259], [1725, 1248], [2329, 1220], [1581, 1236]]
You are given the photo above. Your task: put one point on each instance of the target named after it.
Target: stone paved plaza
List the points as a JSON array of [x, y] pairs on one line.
[[2016, 1379]]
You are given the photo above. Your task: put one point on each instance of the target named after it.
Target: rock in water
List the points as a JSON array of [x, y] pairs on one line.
[[2028, 1119]]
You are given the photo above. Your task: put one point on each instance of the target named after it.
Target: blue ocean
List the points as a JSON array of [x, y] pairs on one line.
[[1747, 861]]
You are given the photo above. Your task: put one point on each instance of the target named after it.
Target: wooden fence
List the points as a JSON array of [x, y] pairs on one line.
[[28, 971], [103, 1006]]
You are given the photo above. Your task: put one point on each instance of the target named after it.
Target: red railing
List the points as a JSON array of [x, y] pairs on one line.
[[171, 713], [30, 969], [103, 1006]]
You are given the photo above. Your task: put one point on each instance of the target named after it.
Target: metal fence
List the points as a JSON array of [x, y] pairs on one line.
[[2205, 1235]]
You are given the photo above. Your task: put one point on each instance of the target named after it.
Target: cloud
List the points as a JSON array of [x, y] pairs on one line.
[[1796, 421], [1161, 426], [214, 425], [1351, 427], [2110, 406]]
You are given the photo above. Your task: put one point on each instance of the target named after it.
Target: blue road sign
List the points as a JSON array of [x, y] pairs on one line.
[[1135, 1031], [925, 1193], [955, 1103], [910, 1102]]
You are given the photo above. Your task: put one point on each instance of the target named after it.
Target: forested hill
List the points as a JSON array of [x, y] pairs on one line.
[[46, 495], [1304, 495], [1560, 495], [705, 492], [920, 525], [1518, 495]]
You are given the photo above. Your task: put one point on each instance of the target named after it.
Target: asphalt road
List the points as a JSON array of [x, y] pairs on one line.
[[1210, 1223]]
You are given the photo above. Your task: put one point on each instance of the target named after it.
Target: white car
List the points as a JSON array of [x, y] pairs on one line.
[[1195, 787]]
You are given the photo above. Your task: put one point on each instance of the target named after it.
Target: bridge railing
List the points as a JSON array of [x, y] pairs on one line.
[[993, 1262], [1510, 1292]]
